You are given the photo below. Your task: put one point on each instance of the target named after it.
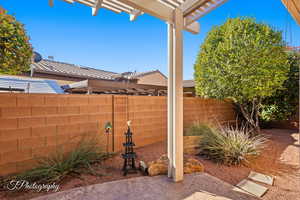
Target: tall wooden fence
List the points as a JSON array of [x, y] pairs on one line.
[[35, 125]]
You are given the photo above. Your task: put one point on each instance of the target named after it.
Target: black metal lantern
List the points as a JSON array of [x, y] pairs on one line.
[[129, 155], [108, 128]]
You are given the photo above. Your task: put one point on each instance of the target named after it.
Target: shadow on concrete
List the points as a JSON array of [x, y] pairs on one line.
[[155, 188]]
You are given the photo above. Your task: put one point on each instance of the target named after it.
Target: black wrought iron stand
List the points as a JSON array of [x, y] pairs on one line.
[[129, 156]]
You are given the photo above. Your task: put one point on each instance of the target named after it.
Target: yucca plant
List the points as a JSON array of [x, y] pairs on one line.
[[54, 168], [230, 145]]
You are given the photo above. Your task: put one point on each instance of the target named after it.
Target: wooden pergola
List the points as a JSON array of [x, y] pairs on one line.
[[179, 15], [293, 6], [114, 87]]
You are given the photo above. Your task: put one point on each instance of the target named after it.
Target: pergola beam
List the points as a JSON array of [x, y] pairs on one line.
[[293, 8], [194, 27], [51, 3], [151, 7], [96, 7], [159, 10], [209, 9], [136, 8], [195, 9], [69, 1], [134, 14], [190, 5]]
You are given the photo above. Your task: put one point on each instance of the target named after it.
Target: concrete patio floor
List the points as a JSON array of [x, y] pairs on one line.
[[194, 187]]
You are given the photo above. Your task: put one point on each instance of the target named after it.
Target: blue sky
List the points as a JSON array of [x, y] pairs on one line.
[[111, 42]]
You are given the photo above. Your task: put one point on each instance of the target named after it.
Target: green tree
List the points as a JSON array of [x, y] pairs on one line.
[[15, 49], [244, 61], [283, 104]]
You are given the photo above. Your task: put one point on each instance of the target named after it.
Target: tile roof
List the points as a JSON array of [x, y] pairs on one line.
[[136, 75], [66, 69], [71, 70], [30, 85], [188, 83]]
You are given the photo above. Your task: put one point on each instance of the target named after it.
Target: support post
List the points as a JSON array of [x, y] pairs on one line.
[[170, 97], [175, 97], [89, 90]]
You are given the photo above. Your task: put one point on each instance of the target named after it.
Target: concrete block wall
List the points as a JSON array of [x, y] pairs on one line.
[[148, 116], [149, 119], [35, 125], [207, 110]]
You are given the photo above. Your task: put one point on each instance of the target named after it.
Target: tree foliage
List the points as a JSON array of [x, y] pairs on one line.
[[283, 104], [244, 61], [15, 49]]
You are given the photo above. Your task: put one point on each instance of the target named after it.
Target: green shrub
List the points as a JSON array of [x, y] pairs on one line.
[[228, 145], [15, 49], [268, 112], [283, 104], [198, 129], [242, 60], [59, 165]]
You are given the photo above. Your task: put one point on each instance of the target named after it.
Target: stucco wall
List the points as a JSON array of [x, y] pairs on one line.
[[153, 79]]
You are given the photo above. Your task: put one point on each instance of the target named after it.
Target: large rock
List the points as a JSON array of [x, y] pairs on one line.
[[192, 165], [160, 166]]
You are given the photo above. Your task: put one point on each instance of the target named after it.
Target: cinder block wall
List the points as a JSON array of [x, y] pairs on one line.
[[35, 125], [148, 116], [207, 110]]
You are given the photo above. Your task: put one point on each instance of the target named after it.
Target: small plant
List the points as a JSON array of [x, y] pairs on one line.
[[58, 166], [198, 129], [268, 112], [229, 145]]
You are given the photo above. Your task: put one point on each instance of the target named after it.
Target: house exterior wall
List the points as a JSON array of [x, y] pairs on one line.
[[61, 80], [36, 125], [149, 79], [153, 79]]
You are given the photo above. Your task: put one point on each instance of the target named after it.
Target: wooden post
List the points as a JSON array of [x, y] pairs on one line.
[[170, 98], [175, 97]]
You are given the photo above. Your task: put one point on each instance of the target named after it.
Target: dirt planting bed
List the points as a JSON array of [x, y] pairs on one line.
[[280, 159]]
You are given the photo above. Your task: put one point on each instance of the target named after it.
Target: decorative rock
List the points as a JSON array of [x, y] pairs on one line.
[[192, 165], [157, 169], [160, 166]]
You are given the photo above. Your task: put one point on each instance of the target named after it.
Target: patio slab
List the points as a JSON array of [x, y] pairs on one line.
[[252, 188], [261, 178], [194, 187]]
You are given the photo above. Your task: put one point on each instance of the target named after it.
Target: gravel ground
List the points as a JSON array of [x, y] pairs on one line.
[[280, 159]]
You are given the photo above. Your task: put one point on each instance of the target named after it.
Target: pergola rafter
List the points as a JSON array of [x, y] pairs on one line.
[[96, 7], [179, 15], [162, 9], [293, 6]]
